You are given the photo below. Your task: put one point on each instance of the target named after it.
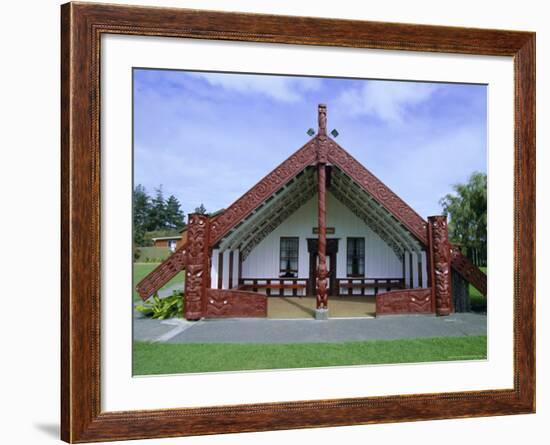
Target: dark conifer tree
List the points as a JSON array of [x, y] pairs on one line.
[[174, 214], [201, 209]]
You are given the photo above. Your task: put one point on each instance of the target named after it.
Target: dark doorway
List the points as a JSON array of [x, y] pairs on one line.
[[332, 250]]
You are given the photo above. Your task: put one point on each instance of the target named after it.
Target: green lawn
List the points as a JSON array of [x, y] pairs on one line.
[[142, 269], [156, 358], [476, 299]]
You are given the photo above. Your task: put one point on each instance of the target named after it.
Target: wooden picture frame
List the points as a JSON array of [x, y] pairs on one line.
[[82, 26]]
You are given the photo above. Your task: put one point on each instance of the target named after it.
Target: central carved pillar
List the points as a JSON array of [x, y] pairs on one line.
[[322, 297], [197, 273], [441, 264]]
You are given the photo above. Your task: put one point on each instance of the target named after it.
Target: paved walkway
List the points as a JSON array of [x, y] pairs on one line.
[[254, 330]]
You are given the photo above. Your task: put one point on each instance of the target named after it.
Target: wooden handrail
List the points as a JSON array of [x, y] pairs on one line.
[[468, 270], [163, 273]]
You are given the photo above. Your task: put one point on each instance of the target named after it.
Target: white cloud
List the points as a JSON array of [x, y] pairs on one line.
[[388, 100], [279, 88]]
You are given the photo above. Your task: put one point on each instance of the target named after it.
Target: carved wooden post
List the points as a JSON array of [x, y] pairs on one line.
[[440, 264], [197, 274], [322, 297]]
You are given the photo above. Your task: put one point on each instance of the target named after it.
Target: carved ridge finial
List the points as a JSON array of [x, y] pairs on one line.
[[322, 117], [321, 138]]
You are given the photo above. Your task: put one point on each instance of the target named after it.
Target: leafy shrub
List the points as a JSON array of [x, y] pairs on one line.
[[162, 308]]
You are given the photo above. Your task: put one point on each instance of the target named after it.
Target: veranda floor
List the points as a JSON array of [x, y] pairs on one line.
[[304, 307]]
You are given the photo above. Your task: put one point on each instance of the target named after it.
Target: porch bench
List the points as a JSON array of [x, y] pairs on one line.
[[349, 284], [372, 285], [271, 286], [274, 286]]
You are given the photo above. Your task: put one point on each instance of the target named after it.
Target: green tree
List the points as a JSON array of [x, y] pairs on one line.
[[467, 212], [157, 213], [142, 208], [201, 209], [174, 214]]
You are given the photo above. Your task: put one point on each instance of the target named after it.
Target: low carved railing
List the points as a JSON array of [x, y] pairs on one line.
[[346, 286], [235, 303], [275, 286], [405, 301], [468, 270], [165, 271]]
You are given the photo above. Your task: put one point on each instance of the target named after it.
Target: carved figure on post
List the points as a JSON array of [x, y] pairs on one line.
[[197, 275], [441, 251]]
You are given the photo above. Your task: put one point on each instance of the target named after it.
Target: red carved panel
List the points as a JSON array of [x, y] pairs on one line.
[[378, 190], [441, 251], [197, 275], [468, 270], [163, 273], [235, 303], [404, 301], [262, 190]]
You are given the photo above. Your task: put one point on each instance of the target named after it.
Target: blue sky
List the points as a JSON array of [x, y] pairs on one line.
[[209, 137]]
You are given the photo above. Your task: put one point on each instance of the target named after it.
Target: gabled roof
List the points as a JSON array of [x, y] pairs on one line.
[[250, 209]]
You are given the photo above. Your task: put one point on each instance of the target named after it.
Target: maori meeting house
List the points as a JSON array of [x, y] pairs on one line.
[[321, 226]]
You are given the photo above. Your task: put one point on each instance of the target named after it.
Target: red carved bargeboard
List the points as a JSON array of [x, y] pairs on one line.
[[379, 191], [441, 252], [262, 190], [405, 301], [401, 210], [163, 273], [197, 275], [235, 303], [468, 270]]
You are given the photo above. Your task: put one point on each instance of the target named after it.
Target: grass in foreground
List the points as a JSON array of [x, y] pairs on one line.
[[142, 269], [167, 358]]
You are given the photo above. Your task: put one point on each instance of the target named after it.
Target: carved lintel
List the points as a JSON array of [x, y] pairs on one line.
[[441, 263], [197, 276]]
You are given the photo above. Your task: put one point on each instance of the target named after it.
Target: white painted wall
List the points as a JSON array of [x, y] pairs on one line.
[[225, 270], [214, 269], [407, 276], [380, 261], [424, 270], [235, 268]]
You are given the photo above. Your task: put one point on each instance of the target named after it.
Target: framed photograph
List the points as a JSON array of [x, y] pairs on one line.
[[276, 222]]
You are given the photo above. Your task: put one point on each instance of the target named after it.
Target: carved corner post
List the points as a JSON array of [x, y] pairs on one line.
[[322, 296], [197, 275], [440, 262]]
